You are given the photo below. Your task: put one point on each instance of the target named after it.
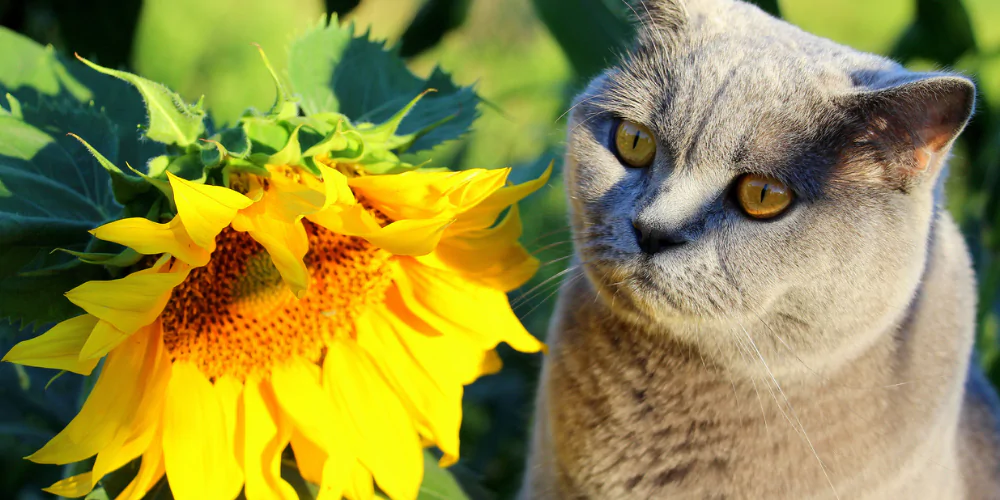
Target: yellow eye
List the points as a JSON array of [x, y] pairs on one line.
[[634, 144], [763, 197]]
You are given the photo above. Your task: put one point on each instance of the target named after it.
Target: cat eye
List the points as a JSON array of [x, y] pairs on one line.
[[634, 144], [762, 197]]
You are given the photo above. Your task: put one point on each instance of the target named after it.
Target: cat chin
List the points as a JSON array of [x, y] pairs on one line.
[[626, 287]]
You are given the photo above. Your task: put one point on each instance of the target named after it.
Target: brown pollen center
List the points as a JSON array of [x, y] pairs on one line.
[[235, 316]]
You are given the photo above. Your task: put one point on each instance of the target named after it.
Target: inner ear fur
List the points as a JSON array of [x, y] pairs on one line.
[[908, 129]]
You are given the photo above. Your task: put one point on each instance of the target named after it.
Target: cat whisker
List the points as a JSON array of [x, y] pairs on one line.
[[551, 294], [540, 237], [743, 354], [792, 410], [550, 246], [571, 108], [526, 296]]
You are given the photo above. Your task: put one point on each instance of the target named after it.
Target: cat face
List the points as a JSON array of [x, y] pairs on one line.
[[790, 184]]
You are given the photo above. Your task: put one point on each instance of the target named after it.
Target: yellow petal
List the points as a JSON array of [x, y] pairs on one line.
[[102, 340], [485, 214], [204, 209], [308, 457], [336, 476], [135, 434], [229, 391], [360, 486], [198, 462], [128, 303], [150, 469], [338, 192], [266, 437], [394, 453], [491, 256], [286, 243], [151, 238], [447, 302], [426, 195], [435, 404], [73, 486], [299, 393], [110, 406], [448, 357], [58, 348], [402, 237]]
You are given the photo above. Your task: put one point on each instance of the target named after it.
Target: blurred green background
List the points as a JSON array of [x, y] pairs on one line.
[[527, 58]]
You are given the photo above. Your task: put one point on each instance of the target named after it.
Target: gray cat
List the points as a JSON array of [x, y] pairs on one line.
[[775, 304]]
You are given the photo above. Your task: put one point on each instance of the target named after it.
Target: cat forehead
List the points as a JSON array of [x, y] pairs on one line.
[[732, 80]]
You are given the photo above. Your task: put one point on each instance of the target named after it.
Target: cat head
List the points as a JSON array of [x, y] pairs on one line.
[[733, 174]]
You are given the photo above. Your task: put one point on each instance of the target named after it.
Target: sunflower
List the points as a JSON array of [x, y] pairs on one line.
[[340, 313]]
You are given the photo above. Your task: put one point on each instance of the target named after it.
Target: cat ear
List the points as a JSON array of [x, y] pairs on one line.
[[911, 126]]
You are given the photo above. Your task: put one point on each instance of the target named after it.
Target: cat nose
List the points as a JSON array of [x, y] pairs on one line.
[[653, 241]]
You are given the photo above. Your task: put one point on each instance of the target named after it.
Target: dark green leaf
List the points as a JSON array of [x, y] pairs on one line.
[[334, 72], [434, 20], [941, 32], [54, 192], [589, 32], [33, 74]]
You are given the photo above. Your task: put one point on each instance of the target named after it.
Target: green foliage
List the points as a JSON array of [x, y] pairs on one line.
[[371, 83], [589, 31], [171, 120]]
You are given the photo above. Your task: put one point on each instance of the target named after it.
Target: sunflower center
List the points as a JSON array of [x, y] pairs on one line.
[[235, 316]]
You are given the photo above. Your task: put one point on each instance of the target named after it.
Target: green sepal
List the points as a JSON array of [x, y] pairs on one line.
[[15, 107], [188, 167], [157, 167], [245, 166], [212, 154], [171, 120], [235, 140], [385, 133], [125, 258], [125, 187], [285, 105], [266, 137], [290, 154], [335, 140]]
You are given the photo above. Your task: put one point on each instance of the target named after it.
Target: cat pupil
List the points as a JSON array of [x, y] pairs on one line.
[[636, 141], [763, 192]]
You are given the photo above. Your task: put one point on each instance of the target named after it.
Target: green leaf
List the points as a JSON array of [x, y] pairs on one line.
[[438, 483], [335, 72], [171, 120], [33, 74], [941, 32], [125, 187], [36, 69], [589, 31], [55, 191]]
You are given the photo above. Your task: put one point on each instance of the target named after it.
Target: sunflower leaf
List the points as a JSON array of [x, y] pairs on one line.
[[333, 71], [32, 74], [171, 120], [54, 191], [438, 483]]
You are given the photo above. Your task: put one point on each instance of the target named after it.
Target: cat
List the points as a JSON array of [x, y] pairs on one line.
[[773, 302]]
